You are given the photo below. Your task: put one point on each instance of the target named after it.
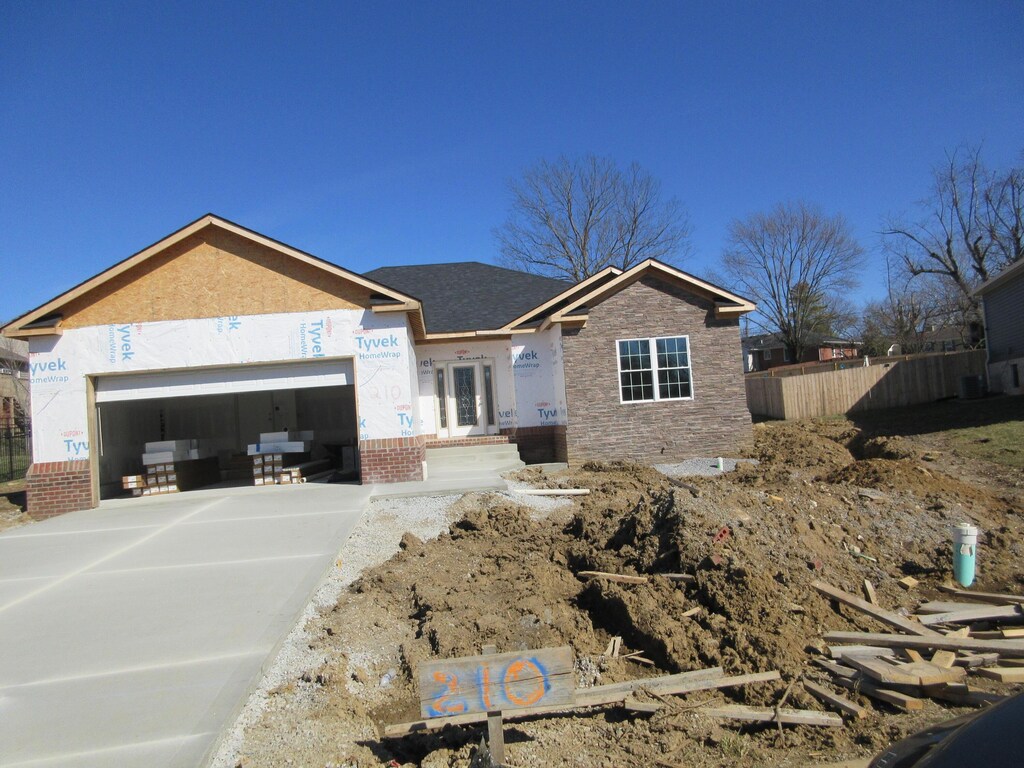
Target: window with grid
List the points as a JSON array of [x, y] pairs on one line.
[[654, 369]]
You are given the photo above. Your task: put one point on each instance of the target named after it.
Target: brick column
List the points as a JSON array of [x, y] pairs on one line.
[[394, 460], [56, 487]]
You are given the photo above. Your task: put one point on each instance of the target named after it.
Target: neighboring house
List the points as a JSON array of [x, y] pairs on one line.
[[219, 333], [13, 384], [950, 338], [1002, 300], [767, 350]]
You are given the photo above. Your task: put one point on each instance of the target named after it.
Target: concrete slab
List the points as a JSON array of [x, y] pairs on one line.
[[140, 643]]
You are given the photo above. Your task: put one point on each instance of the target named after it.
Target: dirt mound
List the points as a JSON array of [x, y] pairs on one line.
[[752, 540]]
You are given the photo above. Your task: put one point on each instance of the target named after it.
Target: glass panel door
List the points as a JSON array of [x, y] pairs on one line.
[[464, 401]]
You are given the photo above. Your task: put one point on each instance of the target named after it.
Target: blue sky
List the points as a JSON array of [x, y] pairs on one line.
[[382, 133]]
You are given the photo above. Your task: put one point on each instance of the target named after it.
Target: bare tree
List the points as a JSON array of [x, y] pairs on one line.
[[572, 218], [798, 264], [972, 225]]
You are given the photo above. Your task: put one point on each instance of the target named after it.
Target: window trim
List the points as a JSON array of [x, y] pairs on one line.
[[653, 351]]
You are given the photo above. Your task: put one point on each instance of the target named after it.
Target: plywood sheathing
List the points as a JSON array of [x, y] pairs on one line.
[[213, 273]]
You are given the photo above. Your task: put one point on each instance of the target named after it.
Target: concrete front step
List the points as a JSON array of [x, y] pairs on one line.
[[474, 451], [476, 470]]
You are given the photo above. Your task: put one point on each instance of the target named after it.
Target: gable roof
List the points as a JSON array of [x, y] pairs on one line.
[[45, 319], [1014, 270], [470, 296], [727, 304]]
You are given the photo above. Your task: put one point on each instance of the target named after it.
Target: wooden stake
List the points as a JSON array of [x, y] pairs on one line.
[[495, 730], [869, 592]]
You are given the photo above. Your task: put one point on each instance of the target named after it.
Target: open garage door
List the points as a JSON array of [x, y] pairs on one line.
[[225, 408]]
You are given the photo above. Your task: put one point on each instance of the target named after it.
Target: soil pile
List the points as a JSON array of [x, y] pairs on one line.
[[825, 502]]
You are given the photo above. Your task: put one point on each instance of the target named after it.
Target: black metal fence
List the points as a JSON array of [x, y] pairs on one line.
[[15, 453]]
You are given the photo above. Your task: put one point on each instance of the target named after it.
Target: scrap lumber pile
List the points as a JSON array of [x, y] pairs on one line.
[[282, 458], [933, 653], [659, 688], [173, 466]]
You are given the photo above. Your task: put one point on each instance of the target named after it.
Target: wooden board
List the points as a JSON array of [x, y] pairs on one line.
[[685, 682], [882, 615], [1010, 648], [841, 703], [899, 700], [915, 674], [1002, 674], [974, 613], [983, 597], [503, 681], [771, 715]]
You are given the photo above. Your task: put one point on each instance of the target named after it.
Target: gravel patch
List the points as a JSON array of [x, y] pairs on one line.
[[373, 541], [702, 467]]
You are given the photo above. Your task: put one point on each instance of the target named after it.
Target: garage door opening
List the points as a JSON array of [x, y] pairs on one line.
[[145, 408]]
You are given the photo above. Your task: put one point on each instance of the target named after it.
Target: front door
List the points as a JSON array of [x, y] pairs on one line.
[[464, 400]]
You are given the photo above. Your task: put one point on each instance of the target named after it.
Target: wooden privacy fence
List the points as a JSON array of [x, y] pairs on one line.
[[883, 384]]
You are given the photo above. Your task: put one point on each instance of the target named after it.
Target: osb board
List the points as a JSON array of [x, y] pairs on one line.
[[213, 273]]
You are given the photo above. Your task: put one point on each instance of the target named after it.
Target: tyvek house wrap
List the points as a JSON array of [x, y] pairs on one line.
[[59, 366], [529, 385]]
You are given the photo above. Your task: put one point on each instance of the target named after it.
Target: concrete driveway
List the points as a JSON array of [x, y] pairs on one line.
[[131, 634]]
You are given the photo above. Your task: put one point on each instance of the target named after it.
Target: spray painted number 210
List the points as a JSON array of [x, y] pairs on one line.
[[505, 681]]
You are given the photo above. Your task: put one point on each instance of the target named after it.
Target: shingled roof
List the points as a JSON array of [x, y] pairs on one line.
[[469, 296]]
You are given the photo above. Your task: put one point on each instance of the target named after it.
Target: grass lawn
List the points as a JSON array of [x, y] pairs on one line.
[[1002, 443]]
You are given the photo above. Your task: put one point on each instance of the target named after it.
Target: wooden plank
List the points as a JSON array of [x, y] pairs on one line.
[[976, 613], [841, 652], [770, 715], [1010, 648], [644, 707], [621, 578], [667, 684], [613, 693], [943, 606], [1002, 674], [914, 674], [943, 659], [882, 615], [964, 696], [503, 681], [899, 700], [834, 700], [838, 670], [983, 597], [869, 592]]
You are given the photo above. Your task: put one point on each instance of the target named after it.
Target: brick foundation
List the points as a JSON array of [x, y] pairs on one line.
[[714, 423], [459, 442], [55, 487], [539, 445], [394, 460]]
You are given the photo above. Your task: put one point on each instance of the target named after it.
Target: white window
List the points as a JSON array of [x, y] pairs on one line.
[[654, 369], [767, 354]]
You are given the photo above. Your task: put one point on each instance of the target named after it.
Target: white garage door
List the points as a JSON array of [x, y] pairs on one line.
[[214, 381]]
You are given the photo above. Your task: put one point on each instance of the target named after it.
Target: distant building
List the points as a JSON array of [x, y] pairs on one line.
[[951, 338], [13, 383], [768, 351]]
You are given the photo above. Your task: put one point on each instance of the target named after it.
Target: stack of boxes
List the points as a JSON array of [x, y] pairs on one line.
[[268, 456], [172, 466]]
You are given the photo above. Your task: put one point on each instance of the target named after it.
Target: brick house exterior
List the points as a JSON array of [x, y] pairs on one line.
[[714, 422], [220, 334]]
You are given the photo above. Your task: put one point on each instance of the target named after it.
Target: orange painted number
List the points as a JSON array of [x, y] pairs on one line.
[[521, 670], [442, 704]]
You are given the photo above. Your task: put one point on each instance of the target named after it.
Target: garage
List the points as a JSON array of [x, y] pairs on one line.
[[225, 409]]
